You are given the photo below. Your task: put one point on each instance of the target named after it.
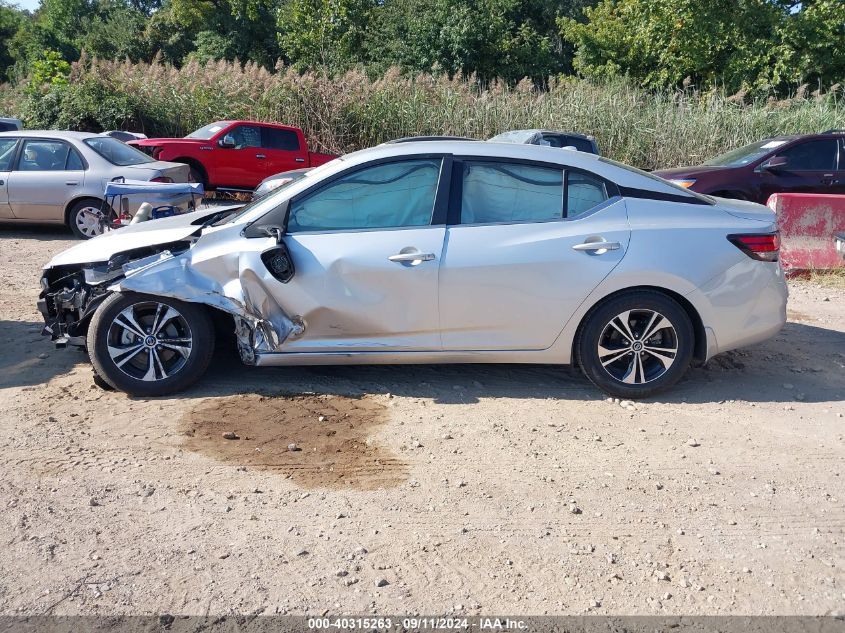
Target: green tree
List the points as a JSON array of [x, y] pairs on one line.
[[325, 33], [507, 39], [757, 44], [11, 20]]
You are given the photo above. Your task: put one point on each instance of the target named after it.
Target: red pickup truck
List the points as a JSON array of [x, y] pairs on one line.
[[236, 154]]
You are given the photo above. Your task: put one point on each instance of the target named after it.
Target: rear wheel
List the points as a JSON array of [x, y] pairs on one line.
[[86, 219], [150, 346], [636, 345], [197, 175]]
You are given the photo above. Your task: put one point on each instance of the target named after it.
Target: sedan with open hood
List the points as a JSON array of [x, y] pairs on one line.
[[431, 252]]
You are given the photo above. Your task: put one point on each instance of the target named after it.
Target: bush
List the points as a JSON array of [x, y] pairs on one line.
[[649, 129]]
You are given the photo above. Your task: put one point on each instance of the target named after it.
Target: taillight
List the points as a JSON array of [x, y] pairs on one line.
[[161, 179], [761, 246]]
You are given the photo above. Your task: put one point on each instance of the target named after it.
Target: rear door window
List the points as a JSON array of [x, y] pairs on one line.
[[285, 140], [509, 192], [820, 155], [494, 193]]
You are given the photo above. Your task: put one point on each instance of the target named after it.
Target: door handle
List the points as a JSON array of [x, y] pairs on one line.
[[72, 183], [594, 247], [416, 256], [300, 160], [260, 156], [2, 182]]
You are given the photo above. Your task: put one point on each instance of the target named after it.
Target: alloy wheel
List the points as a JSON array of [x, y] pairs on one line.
[[638, 346], [149, 341]]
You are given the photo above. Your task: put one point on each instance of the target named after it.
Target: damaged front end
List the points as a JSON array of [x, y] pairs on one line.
[[201, 262], [70, 294], [233, 283]]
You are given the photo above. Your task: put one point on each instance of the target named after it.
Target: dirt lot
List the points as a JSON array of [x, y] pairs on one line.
[[473, 489]]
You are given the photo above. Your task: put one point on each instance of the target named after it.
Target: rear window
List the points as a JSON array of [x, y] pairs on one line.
[[117, 152]]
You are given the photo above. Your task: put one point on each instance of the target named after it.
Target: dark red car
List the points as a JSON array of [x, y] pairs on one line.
[[806, 163]]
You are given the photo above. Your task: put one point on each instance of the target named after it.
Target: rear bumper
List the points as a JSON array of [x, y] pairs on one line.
[[743, 306]]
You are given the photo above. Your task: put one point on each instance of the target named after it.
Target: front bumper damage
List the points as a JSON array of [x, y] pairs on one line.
[[71, 295]]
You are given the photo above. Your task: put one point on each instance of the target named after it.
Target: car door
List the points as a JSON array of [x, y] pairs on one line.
[[8, 146], [366, 247], [532, 243], [282, 150], [244, 164], [810, 168], [48, 174], [837, 183]]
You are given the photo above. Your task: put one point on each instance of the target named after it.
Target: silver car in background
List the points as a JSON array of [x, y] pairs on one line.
[[59, 177], [431, 252]]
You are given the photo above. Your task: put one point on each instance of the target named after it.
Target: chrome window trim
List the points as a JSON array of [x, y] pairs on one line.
[[599, 207]]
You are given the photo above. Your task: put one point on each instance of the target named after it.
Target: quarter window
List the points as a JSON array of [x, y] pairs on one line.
[[43, 156], [812, 156], [506, 192], [74, 161], [400, 194], [583, 193]]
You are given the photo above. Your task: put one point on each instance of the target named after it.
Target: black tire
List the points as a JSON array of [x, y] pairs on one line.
[[173, 355], [102, 383], [197, 175], [80, 218], [629, 370]]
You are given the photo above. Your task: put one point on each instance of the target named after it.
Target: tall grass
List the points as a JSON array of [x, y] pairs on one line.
[[644, 128]]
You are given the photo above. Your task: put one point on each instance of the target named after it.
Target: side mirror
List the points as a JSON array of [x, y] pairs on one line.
[[227, 142], [776, 163]]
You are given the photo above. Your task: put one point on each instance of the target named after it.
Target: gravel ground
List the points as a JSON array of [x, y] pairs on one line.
[[435, 489]]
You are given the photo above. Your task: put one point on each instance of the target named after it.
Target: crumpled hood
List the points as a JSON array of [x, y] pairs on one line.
[[149, 233]]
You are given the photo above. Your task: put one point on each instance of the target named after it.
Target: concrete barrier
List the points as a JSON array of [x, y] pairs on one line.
[[807, 223]]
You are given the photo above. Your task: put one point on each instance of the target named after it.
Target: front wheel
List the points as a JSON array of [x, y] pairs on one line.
[[636, 345], [150, 346]]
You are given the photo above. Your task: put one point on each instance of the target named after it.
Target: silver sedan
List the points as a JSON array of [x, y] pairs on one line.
[[432, 252], [59, 177]]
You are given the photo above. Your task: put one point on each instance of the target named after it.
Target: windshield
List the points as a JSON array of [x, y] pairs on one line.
[[207, 131], [745, 155], [117, 152]]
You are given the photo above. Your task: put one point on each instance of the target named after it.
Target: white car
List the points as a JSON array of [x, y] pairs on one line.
[[431, 252]]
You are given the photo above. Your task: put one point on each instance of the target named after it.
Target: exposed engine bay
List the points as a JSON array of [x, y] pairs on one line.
[[71, 294], [71, 291]]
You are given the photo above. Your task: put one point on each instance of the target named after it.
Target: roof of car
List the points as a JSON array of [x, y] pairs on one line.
[[62, 134]]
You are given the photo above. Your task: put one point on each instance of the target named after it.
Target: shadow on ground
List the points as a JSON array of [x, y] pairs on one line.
[[810, 360], [27, 358]]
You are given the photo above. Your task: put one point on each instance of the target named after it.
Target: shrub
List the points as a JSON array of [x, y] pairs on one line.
[[649, 129]]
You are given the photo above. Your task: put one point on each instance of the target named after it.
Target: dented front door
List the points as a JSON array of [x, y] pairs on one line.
[[366, 256], [352, 294]]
